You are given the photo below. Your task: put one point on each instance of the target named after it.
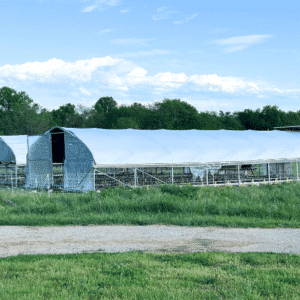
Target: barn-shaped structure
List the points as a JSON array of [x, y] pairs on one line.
[[93, 158], [13, 152]]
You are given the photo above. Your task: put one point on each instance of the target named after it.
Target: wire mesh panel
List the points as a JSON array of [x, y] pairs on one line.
[[113, 177], [58, 176], [214, 174], [12, 175]]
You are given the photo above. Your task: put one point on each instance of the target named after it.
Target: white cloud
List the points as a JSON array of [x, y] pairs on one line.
[[117, 74], [84, 91], [141, 53], [241, 42], [53, 69], [168, 80], [131, 41], [89, 8], [187, 19], [104, 31], [163, 13], [98, 5], [225, 84], [124, 11]]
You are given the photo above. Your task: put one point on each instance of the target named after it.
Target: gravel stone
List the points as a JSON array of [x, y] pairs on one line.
[[16, 240]]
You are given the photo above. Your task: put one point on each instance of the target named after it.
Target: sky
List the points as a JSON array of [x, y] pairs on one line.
[[217, 55]]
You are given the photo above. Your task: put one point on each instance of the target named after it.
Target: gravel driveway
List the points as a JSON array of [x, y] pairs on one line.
[[15, 240]]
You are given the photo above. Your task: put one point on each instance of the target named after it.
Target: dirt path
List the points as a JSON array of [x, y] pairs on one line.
[[15, 240]]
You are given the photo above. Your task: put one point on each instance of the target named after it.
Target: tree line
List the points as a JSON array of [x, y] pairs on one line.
[[19, 114]]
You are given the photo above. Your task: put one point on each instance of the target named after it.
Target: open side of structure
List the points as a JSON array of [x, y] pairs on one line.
[[13, 151]]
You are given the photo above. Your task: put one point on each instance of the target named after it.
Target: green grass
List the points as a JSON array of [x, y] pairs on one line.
[[265, 206], [137, 275]]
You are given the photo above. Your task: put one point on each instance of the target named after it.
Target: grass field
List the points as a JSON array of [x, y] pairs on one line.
[[264, 206], [137, 275]]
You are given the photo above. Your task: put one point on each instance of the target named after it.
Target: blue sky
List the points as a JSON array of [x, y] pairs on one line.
[[218, 55]]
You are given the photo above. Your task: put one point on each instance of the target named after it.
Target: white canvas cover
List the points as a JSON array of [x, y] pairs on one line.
[[130, 147], [89, 148], [13, 149]]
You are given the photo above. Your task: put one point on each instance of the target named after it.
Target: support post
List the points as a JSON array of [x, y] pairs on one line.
[[297, 169], [269, 172], [239, 177], [135, 178], [172, 174], [16, 175], [94, 178], [206, 175], [12, 185]]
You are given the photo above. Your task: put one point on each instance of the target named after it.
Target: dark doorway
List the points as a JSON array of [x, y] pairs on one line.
[[58, 146]]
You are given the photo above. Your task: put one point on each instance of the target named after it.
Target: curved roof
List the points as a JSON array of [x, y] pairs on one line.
[[130, 147], [14, 148]]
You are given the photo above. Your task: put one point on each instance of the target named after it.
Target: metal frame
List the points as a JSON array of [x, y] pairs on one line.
[[220, 174]]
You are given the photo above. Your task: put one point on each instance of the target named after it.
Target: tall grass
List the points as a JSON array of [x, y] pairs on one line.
[[251, 206], [137, 275]]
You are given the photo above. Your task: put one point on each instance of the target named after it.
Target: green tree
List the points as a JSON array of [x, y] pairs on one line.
[[230, 121], [105, 104], [252, 119], [105, 112], [209, 121], [19, 114], [176, 114], [125, 123], [66, 116], [273, 117]]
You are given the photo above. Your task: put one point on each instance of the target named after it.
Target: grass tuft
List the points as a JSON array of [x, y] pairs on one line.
[[262, 206], [138, 275]]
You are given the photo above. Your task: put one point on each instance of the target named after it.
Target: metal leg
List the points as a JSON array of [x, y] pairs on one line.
[[16, 175], [135, 178]]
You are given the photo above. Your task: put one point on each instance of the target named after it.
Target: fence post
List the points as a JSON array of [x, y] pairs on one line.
[[94, 179], [172, 174], [12, 185], [135, 178], [297, 169], [269, 172], [206, 175], [239, 177], [48, 178], [16, 175]]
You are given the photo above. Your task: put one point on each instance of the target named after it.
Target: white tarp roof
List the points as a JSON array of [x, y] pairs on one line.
[[18, 144], [147, 147]]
